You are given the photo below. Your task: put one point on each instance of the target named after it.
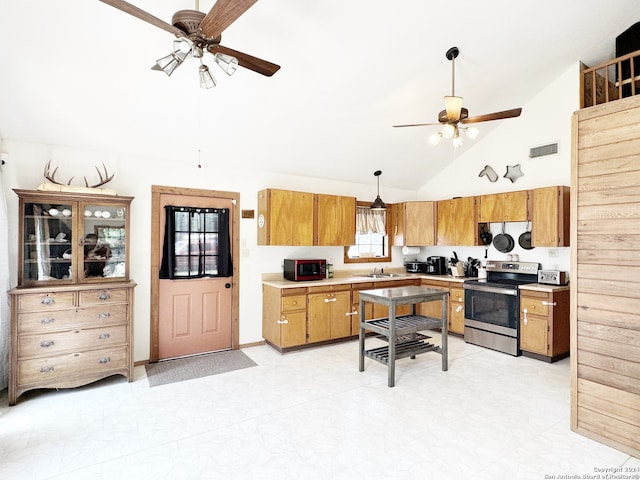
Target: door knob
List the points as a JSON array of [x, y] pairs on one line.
[[227, 285]]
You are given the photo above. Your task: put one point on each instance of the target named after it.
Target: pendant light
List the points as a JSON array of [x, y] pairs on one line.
[[378, 204]]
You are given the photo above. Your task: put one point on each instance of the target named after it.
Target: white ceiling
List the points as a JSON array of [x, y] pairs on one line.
[[77, 73]]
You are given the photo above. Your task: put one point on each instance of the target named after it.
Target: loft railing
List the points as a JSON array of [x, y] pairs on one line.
[[609, 81]]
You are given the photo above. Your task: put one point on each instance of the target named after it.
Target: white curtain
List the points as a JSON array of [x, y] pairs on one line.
[[4, 287], [370, 221]]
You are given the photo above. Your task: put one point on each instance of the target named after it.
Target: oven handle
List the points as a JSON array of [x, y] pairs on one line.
[[503, 291]]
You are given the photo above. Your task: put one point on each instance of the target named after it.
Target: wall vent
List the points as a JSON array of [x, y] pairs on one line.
[[543, 150]]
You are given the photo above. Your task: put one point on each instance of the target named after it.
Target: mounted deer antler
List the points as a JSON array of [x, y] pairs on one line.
[[51, 176]]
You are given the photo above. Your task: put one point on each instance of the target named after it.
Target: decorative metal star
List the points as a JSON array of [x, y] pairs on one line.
[[513, 172]]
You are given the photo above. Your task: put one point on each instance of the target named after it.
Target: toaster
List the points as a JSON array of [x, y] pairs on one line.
[[553, 277]]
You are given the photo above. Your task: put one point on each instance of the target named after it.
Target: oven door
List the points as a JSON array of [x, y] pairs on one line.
[[495, 309]]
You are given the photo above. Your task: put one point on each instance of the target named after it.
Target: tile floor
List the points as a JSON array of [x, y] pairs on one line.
[[311, 415]]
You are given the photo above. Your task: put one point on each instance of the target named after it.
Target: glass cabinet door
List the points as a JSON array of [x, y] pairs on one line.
[[103, 241], [47, 243]]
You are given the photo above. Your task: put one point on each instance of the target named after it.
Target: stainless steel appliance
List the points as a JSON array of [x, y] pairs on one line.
[[303, 269], [553, 277], [416, 267], [436, 266], [492, 305]]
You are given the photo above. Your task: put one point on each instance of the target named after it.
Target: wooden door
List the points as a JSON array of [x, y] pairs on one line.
[[194, 315], [516, 206], [446, 227], [465, 221], [420, 220], [336, 220]]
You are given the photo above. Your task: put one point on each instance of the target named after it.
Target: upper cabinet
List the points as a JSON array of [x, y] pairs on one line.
[[68, 238], [504, 207], [457, 221], [550, 222], [285, 217], [336, 220], [414, 223]]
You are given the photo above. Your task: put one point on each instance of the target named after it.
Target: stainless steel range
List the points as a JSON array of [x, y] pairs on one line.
[[492, 305]]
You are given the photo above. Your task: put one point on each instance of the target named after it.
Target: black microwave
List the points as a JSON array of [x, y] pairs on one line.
[[303, 269]]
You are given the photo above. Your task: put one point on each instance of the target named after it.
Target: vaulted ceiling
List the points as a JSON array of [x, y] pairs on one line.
[[77, 73]]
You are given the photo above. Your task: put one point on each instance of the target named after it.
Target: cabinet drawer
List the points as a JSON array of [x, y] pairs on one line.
[[46, 301], [535, 306], [294, 302], [103, 295], [72, 318], [47, 369], [457, 295], [57, 342]]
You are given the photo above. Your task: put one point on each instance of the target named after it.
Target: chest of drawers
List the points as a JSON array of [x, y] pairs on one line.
[[64, 337]]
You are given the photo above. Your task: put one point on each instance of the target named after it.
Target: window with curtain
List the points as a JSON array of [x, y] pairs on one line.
[[371, 242], [196, 243]]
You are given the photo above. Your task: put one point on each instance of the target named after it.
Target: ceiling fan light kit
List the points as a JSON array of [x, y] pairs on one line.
[[455, 117], [197, 32]]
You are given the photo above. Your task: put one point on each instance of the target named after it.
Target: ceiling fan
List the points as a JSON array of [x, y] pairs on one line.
[[197, 32], [455, 117]]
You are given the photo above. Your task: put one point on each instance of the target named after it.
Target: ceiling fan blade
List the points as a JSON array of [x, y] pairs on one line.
[[515, 112], [247, 61], [222, 14], [416, 125], [142, 15]]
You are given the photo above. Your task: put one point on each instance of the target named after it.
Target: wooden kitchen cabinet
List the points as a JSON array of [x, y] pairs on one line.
[[456, 305], [433, 309], [335, 223], [284, 316], [544, 324], [72, 311], [414, 224], [382, 311], [504, 207], [550, 220], [285, 217], [329, 313], [457, 222], [355, 305]]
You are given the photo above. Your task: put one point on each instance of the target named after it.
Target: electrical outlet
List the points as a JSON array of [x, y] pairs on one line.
[[553, 252]]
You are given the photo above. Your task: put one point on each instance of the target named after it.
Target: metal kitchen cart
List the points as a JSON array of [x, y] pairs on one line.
[[401, 333]]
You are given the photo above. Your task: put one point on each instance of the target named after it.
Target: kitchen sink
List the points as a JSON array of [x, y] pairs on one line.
[[382, 275]]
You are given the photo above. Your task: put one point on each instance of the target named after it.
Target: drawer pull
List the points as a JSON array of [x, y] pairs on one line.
[[47, 301], [327, 300], [103, 336], [104, 360], [351, 313], [524, 318], [47, 321], [552, 304], [459, 308], [47, 369], [104, 315], [47, 343], [282, 322], [104, 295]]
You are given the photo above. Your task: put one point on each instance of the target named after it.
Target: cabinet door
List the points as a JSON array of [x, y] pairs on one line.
[[285, 217], [341, 315], [465, 221], [319, 314], [491, 208], [515, 206], [456, 318], [534, 331], [420, 223], [446, 225], [550, 224], [397, 223], [293, 329], [336, 220]]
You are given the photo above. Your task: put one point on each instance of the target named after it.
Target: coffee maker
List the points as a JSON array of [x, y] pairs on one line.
[[436, 266]]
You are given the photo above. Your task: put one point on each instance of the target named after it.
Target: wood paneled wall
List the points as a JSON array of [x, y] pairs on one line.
[[605, 269]]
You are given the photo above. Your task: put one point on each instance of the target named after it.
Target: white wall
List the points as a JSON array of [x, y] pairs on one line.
[[134, 177], [545, 119]]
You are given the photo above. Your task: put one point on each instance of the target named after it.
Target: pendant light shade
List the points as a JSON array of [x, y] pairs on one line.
[[378, 204]]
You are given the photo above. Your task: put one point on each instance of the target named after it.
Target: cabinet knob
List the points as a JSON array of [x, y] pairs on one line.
[[47, 369], [104, 360], [47, 321], [104, 295], [103, 336], [47, 301], [104, 315], [459, 308], [47, 343], [282, 322]]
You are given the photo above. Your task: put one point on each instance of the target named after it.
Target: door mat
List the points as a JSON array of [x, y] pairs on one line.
[[181, 369]]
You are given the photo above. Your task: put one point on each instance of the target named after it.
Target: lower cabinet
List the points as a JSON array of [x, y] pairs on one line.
[[355, 306], [544, 324], [456, 310], [329, 313], [65, 337], [284, 316]]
